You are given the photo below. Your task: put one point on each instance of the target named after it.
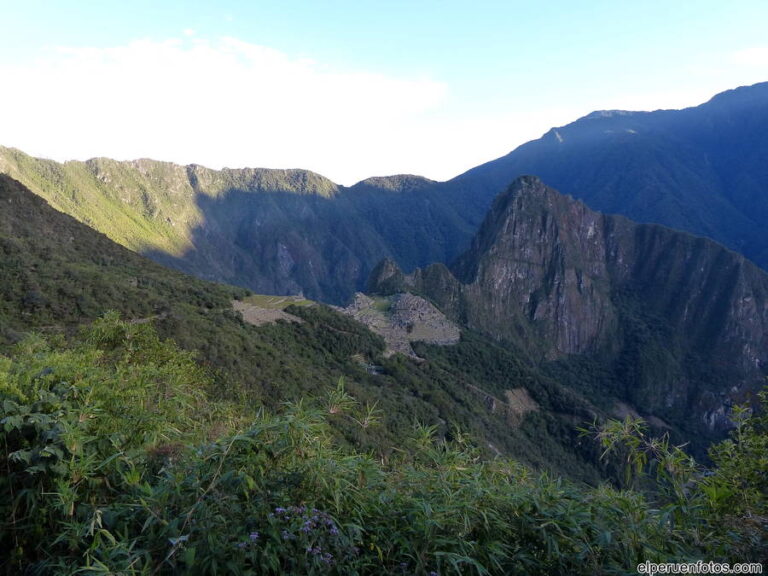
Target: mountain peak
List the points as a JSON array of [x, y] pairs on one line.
[[386, 278], [524, 192], [528, 199], [755, 94], [609, 114], [529, 186]]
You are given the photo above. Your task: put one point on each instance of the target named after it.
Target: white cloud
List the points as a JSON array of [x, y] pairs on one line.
[[222, 103], [233, 103], [754, 56]]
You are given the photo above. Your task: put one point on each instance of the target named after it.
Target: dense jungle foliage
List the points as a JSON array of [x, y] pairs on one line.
[[116, 460]]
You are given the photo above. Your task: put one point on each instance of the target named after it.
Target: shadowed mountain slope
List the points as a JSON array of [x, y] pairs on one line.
[[274, 231], [678, 324], [702, 169], [58, 274]]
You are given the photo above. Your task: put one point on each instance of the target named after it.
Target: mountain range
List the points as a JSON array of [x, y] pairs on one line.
[[60, 275], [677, 324], [700, 169], [581, 313], [273, 231]]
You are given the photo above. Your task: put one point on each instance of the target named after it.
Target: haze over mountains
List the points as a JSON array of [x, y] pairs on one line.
[[700, 169]]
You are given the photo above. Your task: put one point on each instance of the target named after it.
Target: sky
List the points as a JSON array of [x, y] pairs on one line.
[[352, 89]]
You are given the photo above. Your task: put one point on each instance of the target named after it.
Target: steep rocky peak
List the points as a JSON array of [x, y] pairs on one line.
[[527, 195], [532, 222]]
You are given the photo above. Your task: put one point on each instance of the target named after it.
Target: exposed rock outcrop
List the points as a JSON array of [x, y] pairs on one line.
[[681, 321]]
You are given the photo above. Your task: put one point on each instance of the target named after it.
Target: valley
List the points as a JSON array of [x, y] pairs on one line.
[[286, 232], [594, 337]]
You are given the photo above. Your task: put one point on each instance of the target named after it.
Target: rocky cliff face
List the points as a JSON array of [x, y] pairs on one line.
[[543, 256], [681, 322]]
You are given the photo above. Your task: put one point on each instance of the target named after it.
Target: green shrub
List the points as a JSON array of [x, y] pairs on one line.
[[114, 461]]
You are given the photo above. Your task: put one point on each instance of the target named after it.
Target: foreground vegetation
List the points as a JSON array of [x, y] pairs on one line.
[[115, 460]]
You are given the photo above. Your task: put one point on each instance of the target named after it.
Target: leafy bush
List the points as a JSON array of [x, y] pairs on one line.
[[115, 461]]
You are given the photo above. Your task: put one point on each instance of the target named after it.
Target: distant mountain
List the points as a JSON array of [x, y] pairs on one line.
[[702, 169], [676, 325], [273, 231]]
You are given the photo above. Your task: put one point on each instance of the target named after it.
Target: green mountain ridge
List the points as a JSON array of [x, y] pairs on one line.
[[700, 169], [273, 231]]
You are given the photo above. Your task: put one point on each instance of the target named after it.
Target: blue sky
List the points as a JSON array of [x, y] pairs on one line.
[[353, 89]]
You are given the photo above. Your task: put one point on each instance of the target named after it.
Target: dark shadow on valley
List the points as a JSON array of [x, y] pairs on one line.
[[278, 242]]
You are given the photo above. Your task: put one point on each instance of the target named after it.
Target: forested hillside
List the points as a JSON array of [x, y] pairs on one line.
[[61, 274]]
